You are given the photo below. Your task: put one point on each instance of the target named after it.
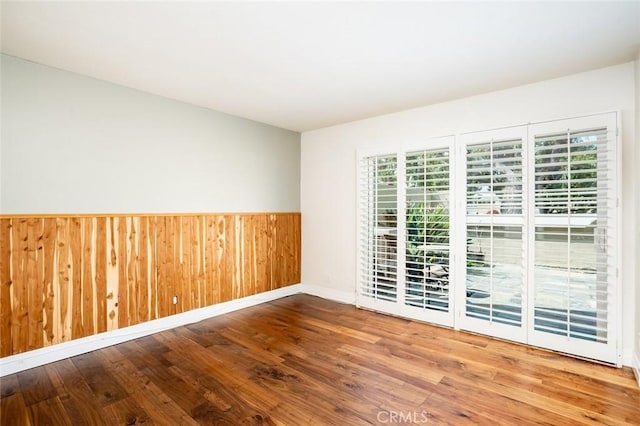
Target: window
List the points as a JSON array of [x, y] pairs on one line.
[[531, 234]]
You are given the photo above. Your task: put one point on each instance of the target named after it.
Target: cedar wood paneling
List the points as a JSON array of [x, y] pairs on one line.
[[67, 277]]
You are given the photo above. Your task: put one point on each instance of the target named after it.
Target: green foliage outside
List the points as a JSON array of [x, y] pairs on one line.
[[566, 172]]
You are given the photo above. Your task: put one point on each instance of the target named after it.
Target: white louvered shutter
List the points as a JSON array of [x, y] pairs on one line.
[[575, 236], [528, 222], [378, 229], [428, 248], [495, 233]]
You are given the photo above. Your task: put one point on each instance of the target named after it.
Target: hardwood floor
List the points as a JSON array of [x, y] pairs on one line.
[[302, 360]]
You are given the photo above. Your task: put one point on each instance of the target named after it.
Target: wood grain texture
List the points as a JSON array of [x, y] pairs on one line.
[[67, 277], [75, 234], [101, 274], [63, 319], [19, 278], [304, 360], [6, 318]]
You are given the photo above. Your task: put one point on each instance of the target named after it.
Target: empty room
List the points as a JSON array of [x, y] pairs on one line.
[[319, 213]]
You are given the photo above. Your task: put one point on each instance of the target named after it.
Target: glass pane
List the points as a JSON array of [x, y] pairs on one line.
[[495, 270], [570, 235], [494, 178], [566, 280], [495, 273], [378, 227], [427, 224]]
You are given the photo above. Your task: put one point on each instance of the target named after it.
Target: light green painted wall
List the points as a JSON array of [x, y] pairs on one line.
[[74, 144]]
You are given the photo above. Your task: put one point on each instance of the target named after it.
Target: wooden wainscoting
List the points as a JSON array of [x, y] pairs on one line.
[[66, 277]]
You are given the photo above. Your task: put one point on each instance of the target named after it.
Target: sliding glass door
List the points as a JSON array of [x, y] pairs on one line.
[[541, 241], [518, 242], [404, 237]]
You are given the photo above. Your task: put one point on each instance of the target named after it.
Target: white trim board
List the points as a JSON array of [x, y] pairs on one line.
[[24, 361], [635, 365], [348, 297]]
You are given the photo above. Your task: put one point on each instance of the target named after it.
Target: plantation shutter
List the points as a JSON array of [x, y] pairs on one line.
[[378, 229], [495, 233], [427, 244], [575, 237], [533, 238]]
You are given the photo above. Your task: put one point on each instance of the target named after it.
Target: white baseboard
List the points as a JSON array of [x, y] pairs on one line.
[[635, 365], [347, 297], [24, 361]]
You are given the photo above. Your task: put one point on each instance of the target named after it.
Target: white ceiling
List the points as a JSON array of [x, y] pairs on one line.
[[302, 65]]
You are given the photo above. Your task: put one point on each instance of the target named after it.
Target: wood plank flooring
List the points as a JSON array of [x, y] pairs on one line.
[[302, 360]]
